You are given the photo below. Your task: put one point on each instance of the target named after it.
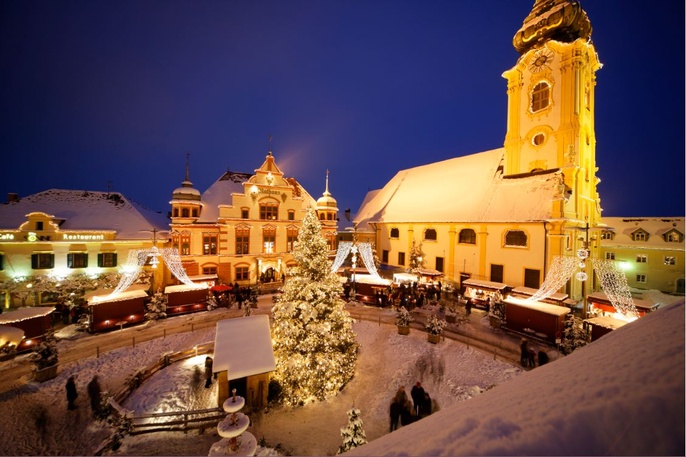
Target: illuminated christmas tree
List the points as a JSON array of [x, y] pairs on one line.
[[314, 344]]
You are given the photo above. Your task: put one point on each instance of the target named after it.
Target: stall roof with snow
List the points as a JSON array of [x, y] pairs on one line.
[[243, 347], [607, 322], [10, 335], [23, 314], [125, 295], [484, 284], [183, 288], [547, 308]]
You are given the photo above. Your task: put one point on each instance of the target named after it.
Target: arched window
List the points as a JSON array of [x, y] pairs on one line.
[[430, 234], [516, 238], [467, 236], [540, 96], [395, 233]]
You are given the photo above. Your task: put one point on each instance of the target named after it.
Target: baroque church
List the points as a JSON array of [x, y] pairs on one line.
[[503, 215]]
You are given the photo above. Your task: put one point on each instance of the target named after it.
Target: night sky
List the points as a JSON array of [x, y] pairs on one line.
[[98, 94]]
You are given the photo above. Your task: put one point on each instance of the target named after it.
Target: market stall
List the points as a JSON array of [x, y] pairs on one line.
[[554, 299], [109, 312], [183, 299], [35, 321], [539, 320], [479, 292], [602, 325], [599, 303]]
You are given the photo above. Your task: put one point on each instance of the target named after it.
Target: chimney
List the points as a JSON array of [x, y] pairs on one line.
[[12, 197]]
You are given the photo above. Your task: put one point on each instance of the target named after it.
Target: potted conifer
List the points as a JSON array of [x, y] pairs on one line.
[[403, 321], [45, 359], [434, 328]]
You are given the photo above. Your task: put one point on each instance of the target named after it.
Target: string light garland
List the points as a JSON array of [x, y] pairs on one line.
[[344, 248], [364, 250], [613, 283], [559, 273]]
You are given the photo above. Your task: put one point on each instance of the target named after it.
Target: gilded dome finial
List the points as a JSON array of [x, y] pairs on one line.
[[559, 20]]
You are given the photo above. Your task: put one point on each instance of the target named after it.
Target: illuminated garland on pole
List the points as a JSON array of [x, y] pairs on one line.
[[344, 248], [613, 283], [559, 273]]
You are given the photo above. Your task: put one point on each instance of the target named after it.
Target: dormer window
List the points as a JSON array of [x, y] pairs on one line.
[[607, 235], [673, 236], [640, 235]]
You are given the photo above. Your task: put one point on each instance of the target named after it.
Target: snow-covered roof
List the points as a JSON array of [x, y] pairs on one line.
[[485, 284], [539, 306], [368, 279], [607, 322], [243, 347], [219, 193], [656, 228], [125, 295], [639, 303], [22, 314], [10, 335], [183, 288], [528, 291], [86, 210], [443, 192]]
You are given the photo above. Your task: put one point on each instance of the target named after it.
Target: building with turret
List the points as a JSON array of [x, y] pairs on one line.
[[505, 214], [242, 229]]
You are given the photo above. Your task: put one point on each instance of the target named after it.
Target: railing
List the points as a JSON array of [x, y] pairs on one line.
[[180, 421]]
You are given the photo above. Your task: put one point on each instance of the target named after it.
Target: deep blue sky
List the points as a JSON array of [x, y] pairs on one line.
[[119, 91]]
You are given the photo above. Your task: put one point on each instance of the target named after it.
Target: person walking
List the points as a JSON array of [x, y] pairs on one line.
[[395, 410], [208, 372], [94, 395], [71, 393], [417, 394], [524, 357]]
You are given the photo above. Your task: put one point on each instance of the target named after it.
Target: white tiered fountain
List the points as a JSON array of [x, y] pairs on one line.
[[235, 440]]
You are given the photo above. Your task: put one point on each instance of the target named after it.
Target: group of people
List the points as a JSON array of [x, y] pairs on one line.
[[528, 355], [94, 394], [403, 411]]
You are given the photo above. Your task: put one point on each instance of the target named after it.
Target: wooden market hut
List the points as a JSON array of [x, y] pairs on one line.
[[602, 325], [107, 312], [184, 299], [538, 320], [244, 358], [478, 291], [35, 321], [556, 298], [599, 302]]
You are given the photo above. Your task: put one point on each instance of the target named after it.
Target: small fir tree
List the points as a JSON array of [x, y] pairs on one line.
[[574, 335], [314, 344], [156, 307], [45, 354], [353, 435]]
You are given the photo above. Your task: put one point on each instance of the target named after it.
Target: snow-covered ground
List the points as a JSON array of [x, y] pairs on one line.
[[449, 371], [623, 394]]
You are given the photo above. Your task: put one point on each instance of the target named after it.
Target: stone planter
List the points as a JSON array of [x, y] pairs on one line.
[[403, 329], [45, 374], [433, 338]]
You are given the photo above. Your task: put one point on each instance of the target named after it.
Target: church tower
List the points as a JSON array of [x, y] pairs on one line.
[[550, 121], [185, 202]]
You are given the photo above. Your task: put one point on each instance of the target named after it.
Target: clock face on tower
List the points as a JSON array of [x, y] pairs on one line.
[[541, 60]]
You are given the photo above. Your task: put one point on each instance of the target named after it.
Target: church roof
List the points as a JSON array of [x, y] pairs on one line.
[[462, 189], [559, 20]]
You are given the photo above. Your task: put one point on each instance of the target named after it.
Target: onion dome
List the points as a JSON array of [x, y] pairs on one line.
[[559, 20], [326, 202], [186, 191]]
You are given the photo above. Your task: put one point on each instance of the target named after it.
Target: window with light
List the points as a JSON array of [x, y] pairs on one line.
[[242, 241], [209, 244], [268, 240], [77, 260], [269, 211]]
